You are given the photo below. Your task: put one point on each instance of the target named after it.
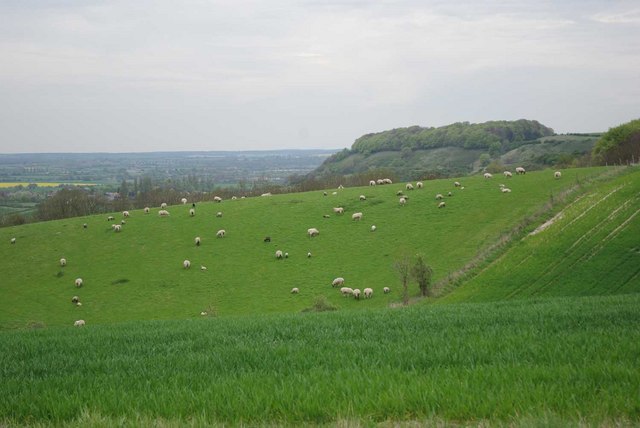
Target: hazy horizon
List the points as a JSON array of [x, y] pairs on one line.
[[161, 76]]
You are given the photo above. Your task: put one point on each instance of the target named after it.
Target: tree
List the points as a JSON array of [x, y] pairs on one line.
[[619, 145], [403, 267], [422, 273]]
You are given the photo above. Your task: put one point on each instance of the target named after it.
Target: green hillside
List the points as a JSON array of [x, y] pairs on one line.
[[591, 247], [137, 274]]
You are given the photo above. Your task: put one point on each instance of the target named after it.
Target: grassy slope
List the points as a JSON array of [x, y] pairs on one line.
[[137, 274], [591, 247], [542, 362]]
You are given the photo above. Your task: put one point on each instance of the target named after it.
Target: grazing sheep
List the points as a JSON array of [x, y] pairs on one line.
[[508, 174], [146, 210], [125, 213], [286, 255], [203, 313], [183, 200], [233, 198], [267, 239], [75, 300], [324, 193], [399, 193], [419, 185], [338, 210], [456, 183], [505, 190], [449, 194], [326, 216], [217, 199], [356, 216], [368, 292], [520, 170], [379, 181], [409, 186], [402, 201], [439, 196], [203, 267], [346, 291], [295, 290], [279, 254], [334, 193], [266, 194], [363, 198], [373, 228], [117, 228], [487, 175], [163, 213], [337, 282], [197, 241], [557, 174], [79, 323], [387, 181], [441, 204], [123, 222], [372, 183], [163, 205], [78, 282], [309, 255], [85, 225], [63, 262], [313, 232], [386, 290], [186, 264], [356, 293], [221, 233], [110, 218], [79, 304], [192, 212], [340, 187], [219, 214]]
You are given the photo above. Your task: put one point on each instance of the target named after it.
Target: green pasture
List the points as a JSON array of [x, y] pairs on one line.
[[589, 247], [541, 362], [137, 274]]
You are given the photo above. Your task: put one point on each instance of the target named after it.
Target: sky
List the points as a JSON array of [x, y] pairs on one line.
[[166, 75]]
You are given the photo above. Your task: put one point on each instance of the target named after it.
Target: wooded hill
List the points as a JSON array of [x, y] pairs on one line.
[[460, 148]]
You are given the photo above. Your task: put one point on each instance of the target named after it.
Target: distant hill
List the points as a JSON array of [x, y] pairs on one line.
[[457, 149]]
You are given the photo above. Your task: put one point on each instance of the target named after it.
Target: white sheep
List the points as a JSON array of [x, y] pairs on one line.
[[233, 198], [309, 255], [125, 213], [373, 227], [419, 185], [186, 264], [487, 175], [286, 255], [313, 232], [203, 313], [372, 183], [441, 204], [79, 323], [456, 183], [217, 199], [402, 200], [123, 222], [192, 212], [163, 213], [75, 300], [507, 174], [387, 181], [520, 170], [356, 293], [79, 304], [78, 282], [221, 233], [63, 262], [110, 218], [183, 200], [163, 205], [439, 196], [203, 267], [379, 181], [13, 240], [117, 228], [146, 210], [363, 198], [368, 292], [557, 174], [197, 240], [386, 290], [356, 216], [279, 254], [266, 194], [409, 186], [219, 214], [346, 291], [295, 290], [340, 187], [338, 210], [505, 190], [337, 282]]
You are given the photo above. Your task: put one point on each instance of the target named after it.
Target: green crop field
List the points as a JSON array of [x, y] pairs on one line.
[[146, 356]]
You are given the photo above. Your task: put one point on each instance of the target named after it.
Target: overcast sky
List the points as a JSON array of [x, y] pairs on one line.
[[121, 76]]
